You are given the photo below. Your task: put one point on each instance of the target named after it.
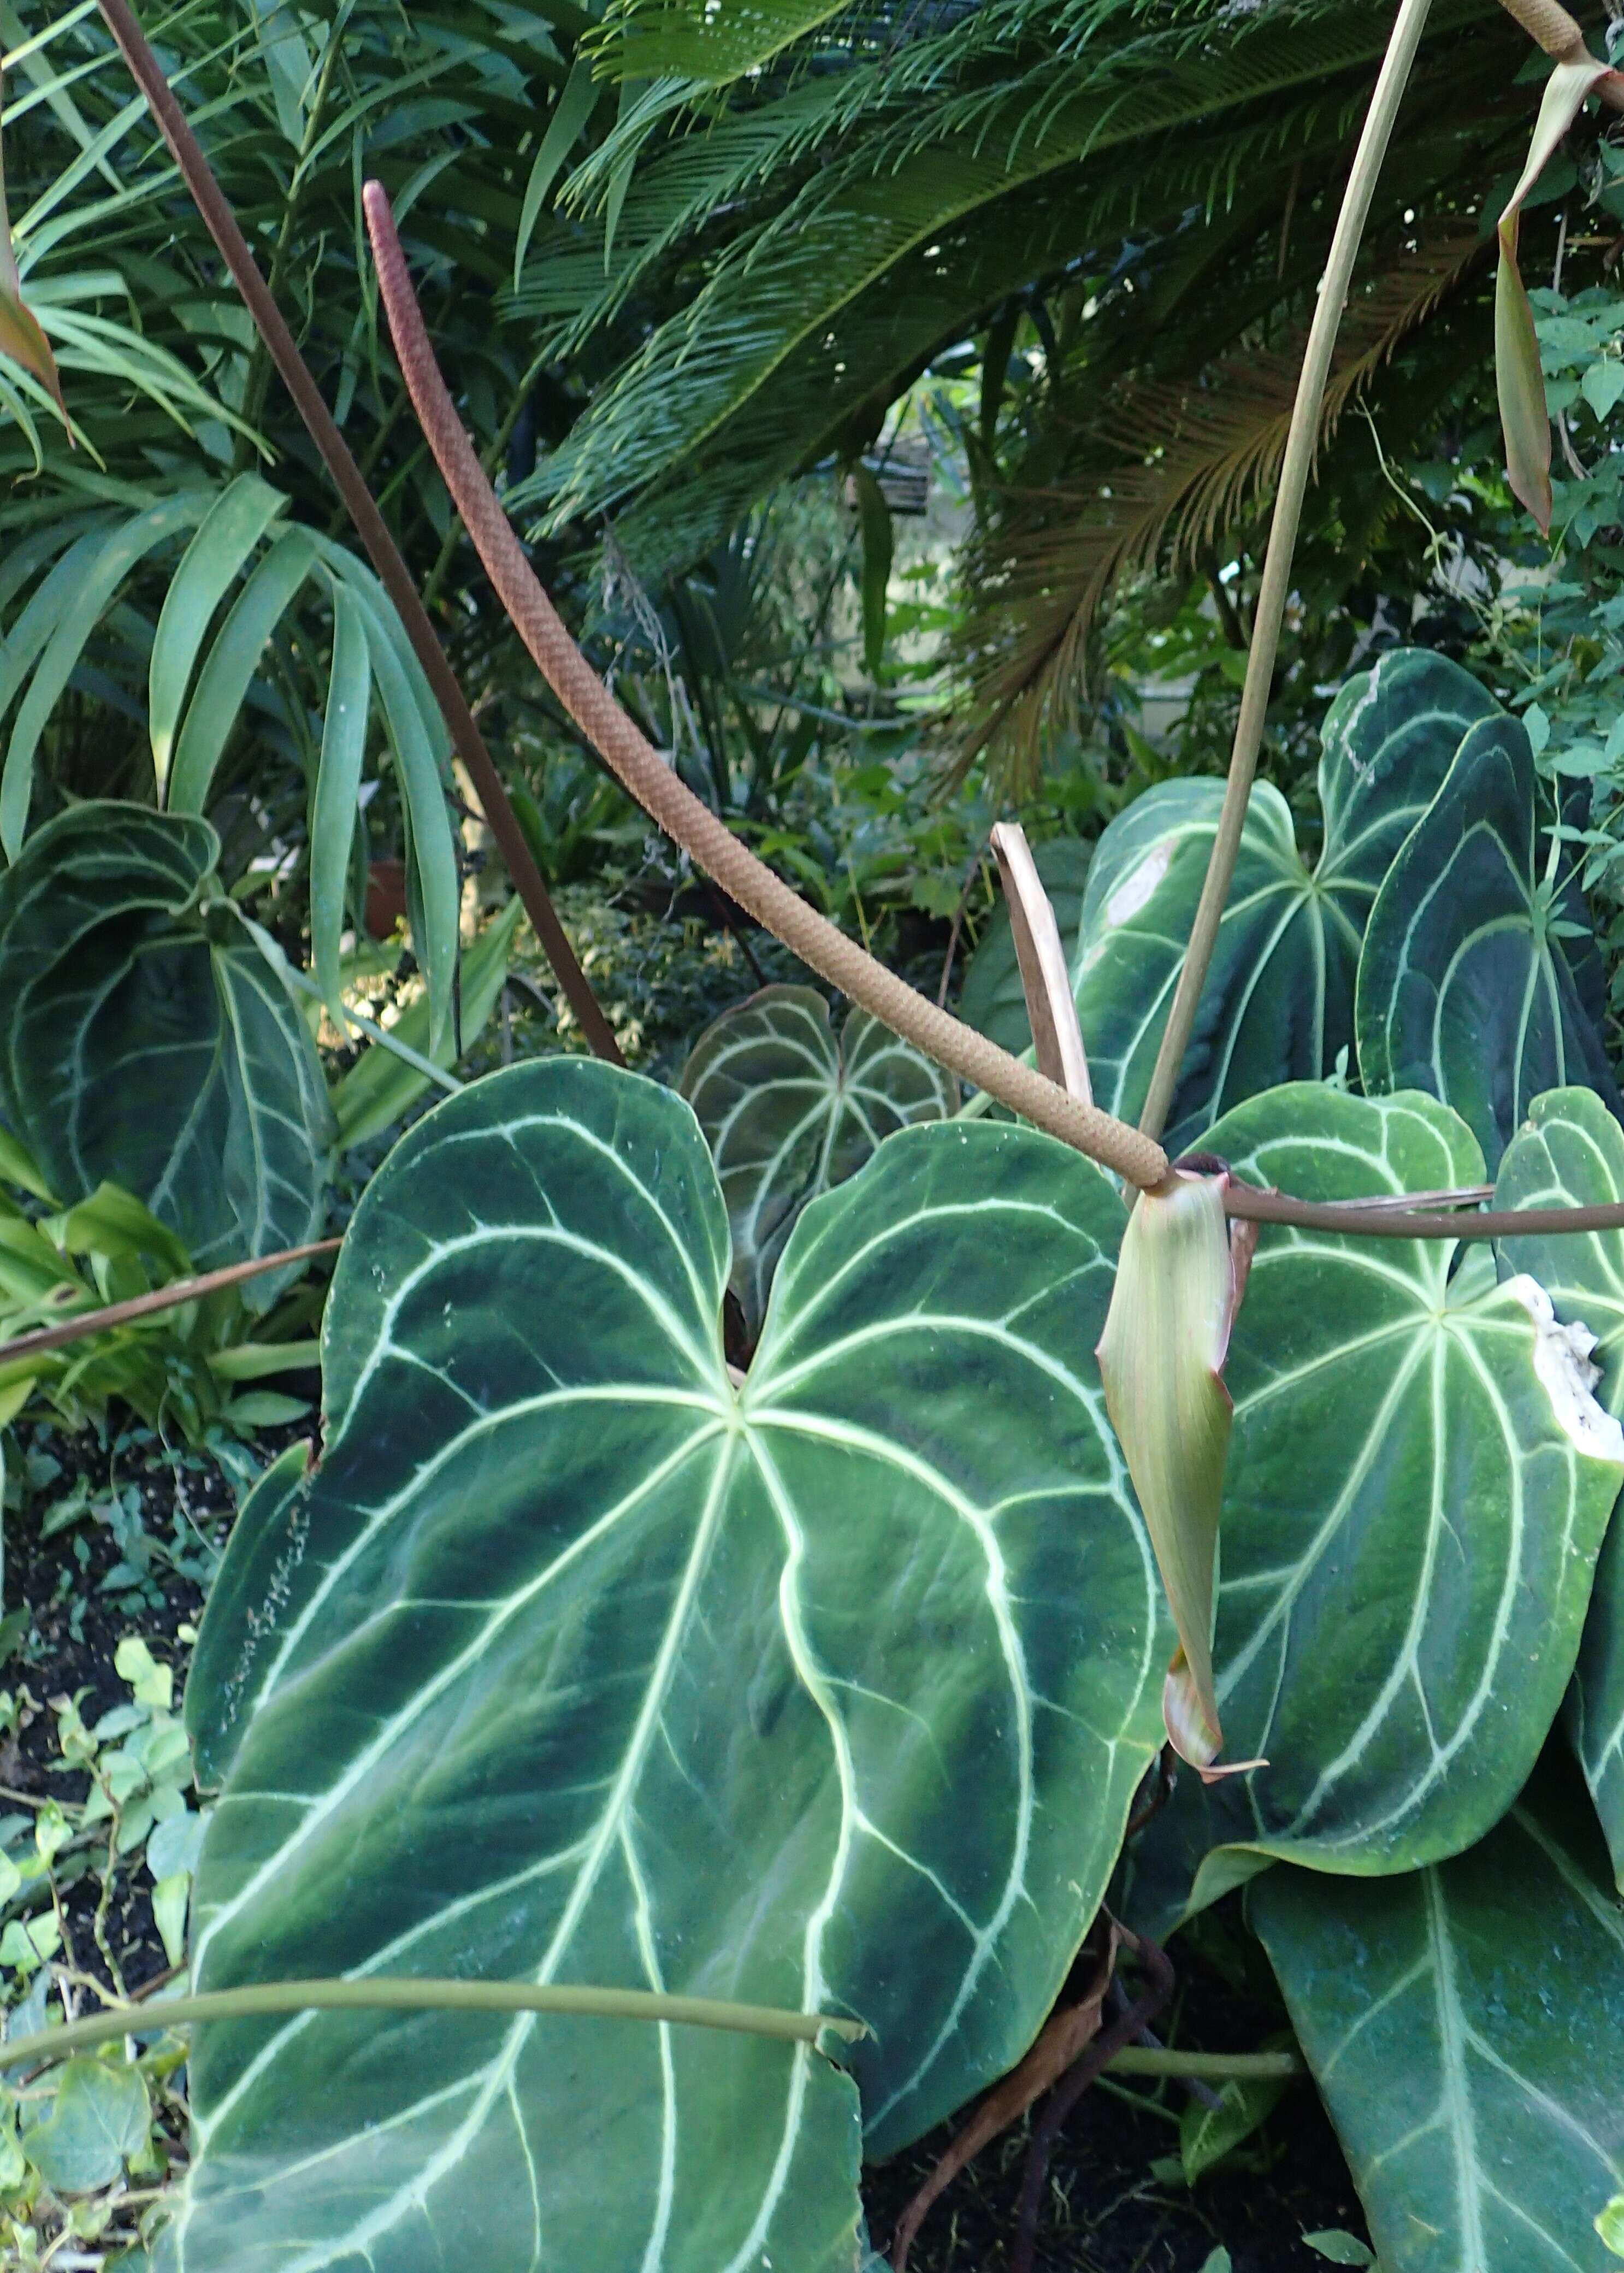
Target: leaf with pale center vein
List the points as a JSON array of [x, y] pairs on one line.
[[789, 1112], [1411, 1516], [570, 1663], [141, 1050], [1570, 1153], [1462, 2023], [1278, 999], [1464, 985]]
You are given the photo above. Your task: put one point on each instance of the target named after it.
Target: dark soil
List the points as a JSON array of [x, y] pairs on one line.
[[112, 1537], [1106, 2210], [120, 1537]]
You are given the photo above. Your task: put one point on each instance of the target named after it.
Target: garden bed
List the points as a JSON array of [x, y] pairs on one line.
[[115, 1540]]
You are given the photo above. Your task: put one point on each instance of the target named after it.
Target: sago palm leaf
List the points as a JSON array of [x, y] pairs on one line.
[[788, 283], [1173, 465]]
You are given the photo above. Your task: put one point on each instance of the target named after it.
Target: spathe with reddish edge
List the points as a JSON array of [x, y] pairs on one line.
[[1179, 1282], [20, 336], [1517, 377]]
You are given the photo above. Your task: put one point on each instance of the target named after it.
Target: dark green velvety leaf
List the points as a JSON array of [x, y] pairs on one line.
[[246, 1591], [992, 999], [1463, 989], [788, 1112], [571, 1662], [149, 1045], [1570, 1153], [1279, 996], [1463, 2023], [1416, 1497], [1387, 742]]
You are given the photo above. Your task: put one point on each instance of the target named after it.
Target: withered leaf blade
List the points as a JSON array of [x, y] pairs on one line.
[[1519, 382], [1045, 975], [20, 335]]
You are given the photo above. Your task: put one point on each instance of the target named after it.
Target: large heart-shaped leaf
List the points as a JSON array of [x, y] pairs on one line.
[[788, 1112], [149, 1044], [1463, 2024], [1386, 745], [570, 1661], [1412, 1510], [993, 998], [1279, 999], [1464, 988], [1570, 1153]]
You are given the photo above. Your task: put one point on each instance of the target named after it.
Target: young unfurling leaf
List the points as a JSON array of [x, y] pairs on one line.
[[1161, 1357]]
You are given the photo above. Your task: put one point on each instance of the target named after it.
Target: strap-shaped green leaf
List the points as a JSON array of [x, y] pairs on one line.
[[573, 1662], [1463, 2025], [100, 564], [1464, 988], [1570, 1153], [141, 1050], [1278, 1000], [572, 114], [788, 1113], [236, 522], [1415, 1495], [334, 807], [418, 737], [231, 664], [992, 999], [375, 1092]]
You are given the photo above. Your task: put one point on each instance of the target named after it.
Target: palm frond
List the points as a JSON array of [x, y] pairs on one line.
[[649, 39], [1174, 466], [785, 284]]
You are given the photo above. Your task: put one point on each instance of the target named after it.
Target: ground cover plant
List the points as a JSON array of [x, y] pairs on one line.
[[809, 1573]]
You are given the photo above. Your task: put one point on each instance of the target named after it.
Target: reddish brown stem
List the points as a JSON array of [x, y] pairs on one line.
[[1381, 1218], [702, 836], [163, 1298], [371, 525], [1096, 2056]]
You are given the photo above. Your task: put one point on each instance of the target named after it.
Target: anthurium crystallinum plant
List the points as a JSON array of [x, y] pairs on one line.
[[830, 1688], [579, 1660]]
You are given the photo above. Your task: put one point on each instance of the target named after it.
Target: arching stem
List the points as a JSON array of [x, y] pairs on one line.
[[1302, 441], [371, 525]]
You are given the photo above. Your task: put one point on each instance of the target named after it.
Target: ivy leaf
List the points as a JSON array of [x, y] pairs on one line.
[[1464, 988], [788, 1112], [1468, 2064], [100, 2117], [1602, 383], [585, 1666]]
